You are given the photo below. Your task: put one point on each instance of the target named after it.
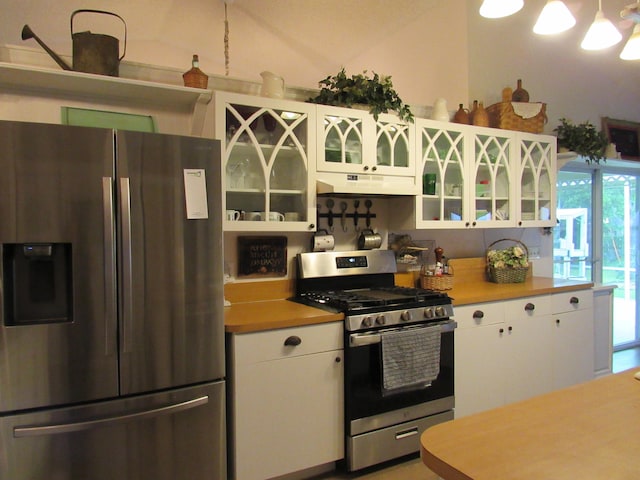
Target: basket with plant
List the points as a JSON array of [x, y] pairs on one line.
[[509, 265]]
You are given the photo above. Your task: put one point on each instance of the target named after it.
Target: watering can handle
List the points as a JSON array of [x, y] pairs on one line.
[[105, 13]]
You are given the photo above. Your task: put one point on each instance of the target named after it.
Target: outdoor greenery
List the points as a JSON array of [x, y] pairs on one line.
[[583, 139], [377, 92]]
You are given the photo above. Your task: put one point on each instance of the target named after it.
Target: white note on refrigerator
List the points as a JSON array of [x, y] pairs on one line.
[[195, 192]]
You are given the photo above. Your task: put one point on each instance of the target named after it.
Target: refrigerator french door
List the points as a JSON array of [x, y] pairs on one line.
[[111, 304]]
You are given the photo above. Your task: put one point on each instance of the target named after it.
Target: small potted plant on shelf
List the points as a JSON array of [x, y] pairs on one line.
[[583, 139], [375, 91]]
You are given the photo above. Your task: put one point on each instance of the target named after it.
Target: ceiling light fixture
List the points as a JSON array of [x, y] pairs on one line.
[[500, 8], [631, 50], [554, 18], [601, 34]]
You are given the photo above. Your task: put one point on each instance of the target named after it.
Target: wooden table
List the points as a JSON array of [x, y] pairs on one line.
[[588, 431]]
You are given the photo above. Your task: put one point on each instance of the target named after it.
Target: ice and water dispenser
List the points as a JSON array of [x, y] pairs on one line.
[[37, 283]]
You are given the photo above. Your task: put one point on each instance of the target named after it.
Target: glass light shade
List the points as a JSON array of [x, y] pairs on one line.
[[631, 50], [554, 18], [500, 8], [601, 34]]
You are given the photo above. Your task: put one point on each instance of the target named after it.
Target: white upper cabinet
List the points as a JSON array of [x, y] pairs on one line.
[[354, 147], [537, 180], [475, 177], [268, 152]]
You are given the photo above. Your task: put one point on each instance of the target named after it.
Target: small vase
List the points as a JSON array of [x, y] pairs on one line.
[[473, 111], [520, 94], [195, 77], [462, 115], [481, 116]]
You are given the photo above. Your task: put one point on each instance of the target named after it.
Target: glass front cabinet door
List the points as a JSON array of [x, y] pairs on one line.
[[442, 200], [492, 190], [267, 145], [537, 180]]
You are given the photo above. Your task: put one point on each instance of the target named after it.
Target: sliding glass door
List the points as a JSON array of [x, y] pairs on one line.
[[597, 237], [619, 252]]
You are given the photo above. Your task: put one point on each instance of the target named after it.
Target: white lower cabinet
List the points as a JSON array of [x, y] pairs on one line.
[[512, 350], [573, 340], [286, 400]]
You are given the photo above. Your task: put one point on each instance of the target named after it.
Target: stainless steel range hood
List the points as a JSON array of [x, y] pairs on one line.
[[365, 185]]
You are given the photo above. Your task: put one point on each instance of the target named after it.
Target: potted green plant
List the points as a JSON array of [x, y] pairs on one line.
[[583, 139], [375, 91]]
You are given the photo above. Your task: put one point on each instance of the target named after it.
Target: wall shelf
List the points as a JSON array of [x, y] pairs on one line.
[[78, 84]]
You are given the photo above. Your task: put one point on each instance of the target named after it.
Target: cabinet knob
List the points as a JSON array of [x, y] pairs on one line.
[[529, 307], [293, 341], [519, 223], [366, 168], [311, 226], [478, 314], [466, 224], [501, 330], [473, 224], [338, 359], [374, 168], [557, 321], [574, 300], [510, 329]]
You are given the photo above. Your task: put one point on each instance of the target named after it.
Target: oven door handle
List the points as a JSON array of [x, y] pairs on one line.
[[363, 339]]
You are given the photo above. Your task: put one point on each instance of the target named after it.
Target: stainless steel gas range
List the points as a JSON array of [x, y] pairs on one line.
[[398, 359]]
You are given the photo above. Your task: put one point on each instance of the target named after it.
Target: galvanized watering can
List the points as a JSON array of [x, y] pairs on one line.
[[92, 52]]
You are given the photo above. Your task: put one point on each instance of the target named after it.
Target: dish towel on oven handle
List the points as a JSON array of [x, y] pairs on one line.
[[410, 358]]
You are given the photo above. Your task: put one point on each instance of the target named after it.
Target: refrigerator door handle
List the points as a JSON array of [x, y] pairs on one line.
[[55, 429], [127, 266], [110, 322]]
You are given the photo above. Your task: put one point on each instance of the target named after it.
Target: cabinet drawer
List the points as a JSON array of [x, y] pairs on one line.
[[263, 346], [479, 314], [528, 307], [571, 301]]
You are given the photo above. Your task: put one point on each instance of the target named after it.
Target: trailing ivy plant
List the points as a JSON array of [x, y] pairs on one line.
[[583, 139], [376, 91]]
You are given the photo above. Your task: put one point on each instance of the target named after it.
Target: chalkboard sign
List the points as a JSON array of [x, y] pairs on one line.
[[625, 135], [262, 256]]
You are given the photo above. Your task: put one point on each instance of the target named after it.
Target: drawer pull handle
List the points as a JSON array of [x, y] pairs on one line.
[[478, 314], [410, 432], [293, 341], [574, 300], [529, 307]]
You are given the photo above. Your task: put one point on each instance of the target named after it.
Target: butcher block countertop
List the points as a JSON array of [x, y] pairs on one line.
[[588, 431], [257, 306]]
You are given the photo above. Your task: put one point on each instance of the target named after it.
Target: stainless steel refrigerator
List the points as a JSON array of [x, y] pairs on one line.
[[111, 305]]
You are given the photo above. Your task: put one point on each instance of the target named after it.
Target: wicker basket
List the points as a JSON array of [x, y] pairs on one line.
[[502, 115], [508, 274], [436, 282]]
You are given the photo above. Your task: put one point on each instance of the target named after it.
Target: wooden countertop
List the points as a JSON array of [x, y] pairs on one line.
[[588, 431], [257, 306]]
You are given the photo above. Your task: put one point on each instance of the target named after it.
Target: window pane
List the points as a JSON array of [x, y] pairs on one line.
[[572, 236]]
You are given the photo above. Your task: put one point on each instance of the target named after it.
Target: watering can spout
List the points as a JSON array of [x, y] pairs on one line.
[[27, 34]]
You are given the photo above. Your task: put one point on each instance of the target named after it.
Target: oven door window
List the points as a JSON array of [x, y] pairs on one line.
[[363, 381]]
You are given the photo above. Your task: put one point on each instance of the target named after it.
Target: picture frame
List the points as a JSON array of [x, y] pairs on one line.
[[625, 135]]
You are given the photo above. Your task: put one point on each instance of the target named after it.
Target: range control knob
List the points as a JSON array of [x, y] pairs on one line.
[[428, 313], [440, 311], [381, 320], [367, 321], [405, 316]]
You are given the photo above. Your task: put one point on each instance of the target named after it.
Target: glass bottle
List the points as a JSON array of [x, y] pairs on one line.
[[195, 77], [520, 94]]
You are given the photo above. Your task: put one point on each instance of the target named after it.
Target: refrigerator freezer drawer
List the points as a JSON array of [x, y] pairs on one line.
[[173, 435]]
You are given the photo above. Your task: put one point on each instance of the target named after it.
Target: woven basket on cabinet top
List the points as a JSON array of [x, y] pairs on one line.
[[502, 115]]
